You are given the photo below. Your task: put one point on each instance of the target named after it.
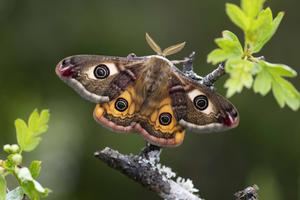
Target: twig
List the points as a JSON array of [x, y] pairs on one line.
[[208, 80], [212, 77], [146, 170], [250, 193]]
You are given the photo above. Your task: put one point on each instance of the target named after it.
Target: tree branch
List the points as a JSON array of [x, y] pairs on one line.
[[208, 80], [212, 77], [146, 170], [249, 193]]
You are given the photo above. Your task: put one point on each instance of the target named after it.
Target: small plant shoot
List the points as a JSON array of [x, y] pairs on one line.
[[28, 137], [244, 68]]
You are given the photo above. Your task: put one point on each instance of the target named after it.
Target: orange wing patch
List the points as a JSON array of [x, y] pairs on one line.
[[119, 113], [164, 121], [111, 107], [164, 107], [160, 128]]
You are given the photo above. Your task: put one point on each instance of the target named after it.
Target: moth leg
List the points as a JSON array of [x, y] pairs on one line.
[[187, 62], [152, 151]]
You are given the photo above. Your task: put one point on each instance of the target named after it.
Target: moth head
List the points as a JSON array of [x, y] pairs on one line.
[[90, 76], [208, 111]]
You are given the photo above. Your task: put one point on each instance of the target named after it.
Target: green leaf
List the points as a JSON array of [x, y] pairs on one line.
[[241, 75], [38, 123], [278, 94], [22, 132], [230, 48], [231, 36], [291, 96], [35, 168], [237, 16], [284, 92], [263, 29], [257, 23], [32, 188], [259, 27], [262, 83], [281, 70], [28, 136], [29, 189], [227, 45], [15, 194], [252, 7], [2, 188], [259, 30], [269, 33], [276, 23], [217, 56]]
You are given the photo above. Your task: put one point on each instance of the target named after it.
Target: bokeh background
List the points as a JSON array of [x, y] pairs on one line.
[[36, 34]]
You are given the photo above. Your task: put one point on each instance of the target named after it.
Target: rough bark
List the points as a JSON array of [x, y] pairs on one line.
[[146, 170]]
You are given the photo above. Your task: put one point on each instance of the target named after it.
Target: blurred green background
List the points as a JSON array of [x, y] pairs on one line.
[[36, 34]]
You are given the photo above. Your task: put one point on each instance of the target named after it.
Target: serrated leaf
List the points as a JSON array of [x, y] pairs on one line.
[[276, 22], [2, 188], [32, 143], [264, 28], [278, 94], [32, 121], [260, 28], [252, 7], [270, 33], [28, 136], [38, 123], [230, 48], [15, 194], [233, 86], [290, 93], [226, 44], [262, 83], [231, 36], [217, 56], [22, 132], [35, 168], [284, 92], [282, 70], [154, 46], [173, 49], [241, 75], [237, 16], [25, 136]]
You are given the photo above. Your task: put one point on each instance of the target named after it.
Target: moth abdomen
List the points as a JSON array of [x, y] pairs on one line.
[[178, 99]]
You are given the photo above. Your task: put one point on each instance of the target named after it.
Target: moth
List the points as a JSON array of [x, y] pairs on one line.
[[148, 95]]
